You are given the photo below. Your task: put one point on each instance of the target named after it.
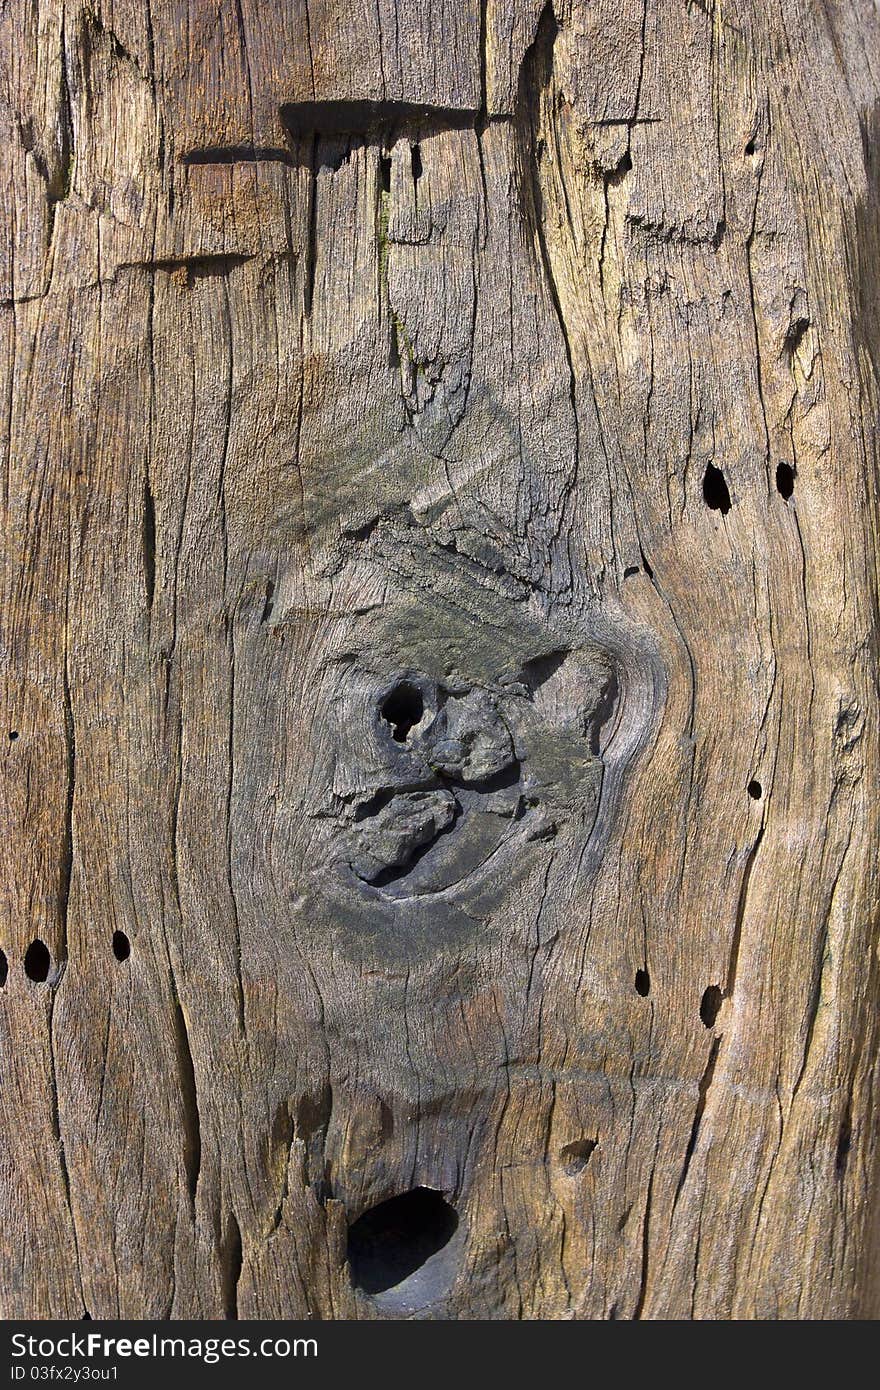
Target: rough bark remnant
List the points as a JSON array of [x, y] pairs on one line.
[[439, 669]]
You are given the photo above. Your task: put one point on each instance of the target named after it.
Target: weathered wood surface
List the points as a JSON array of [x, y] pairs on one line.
[[526, 355]]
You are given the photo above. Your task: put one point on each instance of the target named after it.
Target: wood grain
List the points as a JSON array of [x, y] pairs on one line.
[[439, 636]]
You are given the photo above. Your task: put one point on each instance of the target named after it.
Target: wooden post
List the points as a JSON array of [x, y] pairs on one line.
[[439, 637]]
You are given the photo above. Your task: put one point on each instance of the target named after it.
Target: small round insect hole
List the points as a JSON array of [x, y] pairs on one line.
[[784, 480], [37, 961], [710, 1004], [121, 946], [716, 493]]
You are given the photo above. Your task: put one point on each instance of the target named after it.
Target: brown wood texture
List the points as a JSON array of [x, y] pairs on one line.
[[439, 657]]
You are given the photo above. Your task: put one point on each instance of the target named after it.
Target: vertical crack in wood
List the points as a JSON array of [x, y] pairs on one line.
[[759, 363], [59, 180], [536, 77], [310, 1124], [233, 900], [733, 958], [67, 848], [245, 58], [820, 963], [281, 1141], [312, 238], [383, 188], [483, 111], [148, 542], [148, 531], [232, 1260], [229, 621], [58, 1136], [268, 601], [175, 813], [844, 1137], [646, 1236], [702, 1094], [192, 1131], [808, 632]]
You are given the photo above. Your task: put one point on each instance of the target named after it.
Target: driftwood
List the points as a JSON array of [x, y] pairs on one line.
[[439, 636]]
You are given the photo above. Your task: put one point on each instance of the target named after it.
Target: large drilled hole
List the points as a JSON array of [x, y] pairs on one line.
[[4, 968], [37, 961], [643, 983], [394, 1239], [710, 1004], [715, 490], [402, 709]]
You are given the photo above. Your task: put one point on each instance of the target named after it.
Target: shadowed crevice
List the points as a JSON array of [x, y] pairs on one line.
[[369, 119]]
